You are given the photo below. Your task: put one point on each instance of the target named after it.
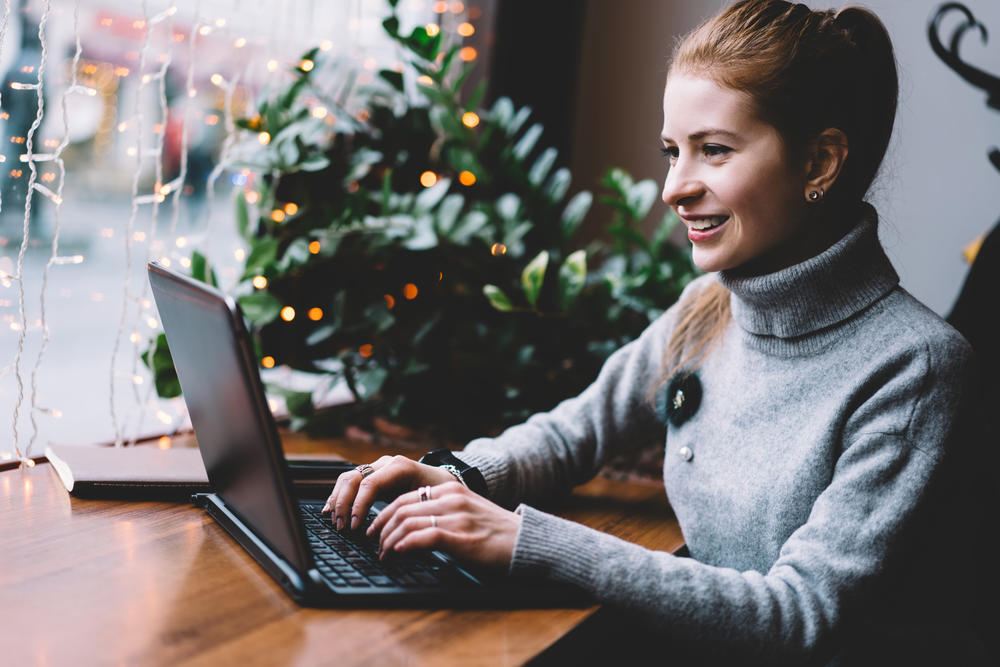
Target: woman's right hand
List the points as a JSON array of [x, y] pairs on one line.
[[353, 494]]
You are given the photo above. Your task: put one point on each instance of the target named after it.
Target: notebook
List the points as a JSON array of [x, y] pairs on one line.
[[253, 497]]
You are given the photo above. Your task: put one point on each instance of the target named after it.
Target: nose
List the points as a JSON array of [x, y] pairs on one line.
[[681, 184]]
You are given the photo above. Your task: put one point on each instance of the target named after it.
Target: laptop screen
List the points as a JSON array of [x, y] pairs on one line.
[[236, 434]]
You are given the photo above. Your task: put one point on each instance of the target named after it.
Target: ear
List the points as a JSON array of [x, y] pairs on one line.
[[827, 155]]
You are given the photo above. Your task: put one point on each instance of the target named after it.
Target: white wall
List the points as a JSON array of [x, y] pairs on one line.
[[937, 191]]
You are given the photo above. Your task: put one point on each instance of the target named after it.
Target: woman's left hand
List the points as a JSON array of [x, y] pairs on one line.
[[451, 518]]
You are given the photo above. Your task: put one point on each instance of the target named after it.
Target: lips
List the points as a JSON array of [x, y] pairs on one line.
[[705, 224]]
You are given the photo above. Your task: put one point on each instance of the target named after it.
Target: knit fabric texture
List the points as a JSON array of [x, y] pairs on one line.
[[815, 485]]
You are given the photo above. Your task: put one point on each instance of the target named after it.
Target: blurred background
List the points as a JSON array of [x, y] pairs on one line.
[[131, 132]]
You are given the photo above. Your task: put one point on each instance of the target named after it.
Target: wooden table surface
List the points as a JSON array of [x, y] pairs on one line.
[[150, 583]]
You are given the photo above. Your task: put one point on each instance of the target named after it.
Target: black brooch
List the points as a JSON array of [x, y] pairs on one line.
[[682, 398]]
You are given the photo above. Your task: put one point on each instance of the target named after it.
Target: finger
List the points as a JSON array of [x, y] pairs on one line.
[[422, 494], [429, 526], [343, 497], [390, 472]]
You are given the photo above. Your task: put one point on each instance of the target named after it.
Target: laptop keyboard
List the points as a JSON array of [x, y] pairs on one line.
[[350, 558]]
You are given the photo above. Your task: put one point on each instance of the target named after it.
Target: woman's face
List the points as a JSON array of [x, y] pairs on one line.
[[731, 181]]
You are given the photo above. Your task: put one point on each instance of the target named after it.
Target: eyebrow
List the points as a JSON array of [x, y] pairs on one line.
[[708, 131]]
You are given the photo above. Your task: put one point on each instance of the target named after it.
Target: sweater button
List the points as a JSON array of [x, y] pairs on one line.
[[685, 453]]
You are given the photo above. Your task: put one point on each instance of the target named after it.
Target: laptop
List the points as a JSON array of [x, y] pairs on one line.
[[253, 496]]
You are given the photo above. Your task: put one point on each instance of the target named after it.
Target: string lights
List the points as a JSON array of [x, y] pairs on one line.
[[144, 74]]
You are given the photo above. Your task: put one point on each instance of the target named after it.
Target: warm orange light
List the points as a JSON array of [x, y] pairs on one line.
[[467, 53], [363, 115], [212, 119], [457, 7], [260, 282], [264, 138], [440, 7], [466, 29], [315, 314], [498, 249], [314, 247], [277, 215], [353, 187], [470, 119], [163, 442], [428, 178], [467, 178], [366, 350], [267, 362], [425, 80], [410, 291], [432, 29], [307, 65], [291, 209], [288, 313], [390, 302]]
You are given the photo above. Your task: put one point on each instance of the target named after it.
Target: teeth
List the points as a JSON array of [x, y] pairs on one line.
[[708, 223]]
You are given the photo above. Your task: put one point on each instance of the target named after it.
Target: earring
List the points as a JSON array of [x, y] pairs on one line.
[[815, 195]]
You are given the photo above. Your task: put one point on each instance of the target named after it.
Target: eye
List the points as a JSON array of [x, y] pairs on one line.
[[670, 152], [715, 150]]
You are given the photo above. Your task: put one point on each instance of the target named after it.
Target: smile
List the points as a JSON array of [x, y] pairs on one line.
[[706, 224]]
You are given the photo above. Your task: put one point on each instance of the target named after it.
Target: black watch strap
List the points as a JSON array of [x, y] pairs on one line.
[[468, 475]]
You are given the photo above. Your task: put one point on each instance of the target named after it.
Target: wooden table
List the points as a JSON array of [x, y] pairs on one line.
[[150, 583]]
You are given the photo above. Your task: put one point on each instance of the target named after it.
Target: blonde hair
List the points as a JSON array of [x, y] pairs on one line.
[[805, 71]]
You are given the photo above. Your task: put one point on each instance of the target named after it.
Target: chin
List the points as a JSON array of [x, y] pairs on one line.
[[709, 262]]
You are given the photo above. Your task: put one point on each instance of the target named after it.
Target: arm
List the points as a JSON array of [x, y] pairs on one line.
[[868, 554]]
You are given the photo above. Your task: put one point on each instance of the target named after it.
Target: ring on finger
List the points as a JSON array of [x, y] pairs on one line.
[[365, 469], [425, 493], [434, 521]]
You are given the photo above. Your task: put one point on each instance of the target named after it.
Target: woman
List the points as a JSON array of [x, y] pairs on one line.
[[811, 405]]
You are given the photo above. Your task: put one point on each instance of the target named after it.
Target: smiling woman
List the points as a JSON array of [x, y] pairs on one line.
[[814, 412]]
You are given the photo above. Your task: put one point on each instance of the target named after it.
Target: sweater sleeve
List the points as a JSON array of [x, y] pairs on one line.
[[552, 452], [863, 525]]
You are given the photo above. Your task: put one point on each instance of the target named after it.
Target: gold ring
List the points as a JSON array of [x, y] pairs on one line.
[[425, 493], [365, 469]]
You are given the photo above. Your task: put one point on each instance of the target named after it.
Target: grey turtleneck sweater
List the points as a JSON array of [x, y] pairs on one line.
[[814, 485]]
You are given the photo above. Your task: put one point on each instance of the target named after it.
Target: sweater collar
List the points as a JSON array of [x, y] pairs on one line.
[[820, 292]]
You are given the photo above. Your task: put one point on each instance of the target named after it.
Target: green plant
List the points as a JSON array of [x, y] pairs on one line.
[[458, 307]]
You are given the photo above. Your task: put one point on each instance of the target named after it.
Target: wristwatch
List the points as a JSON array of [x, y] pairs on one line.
[[469, 476]]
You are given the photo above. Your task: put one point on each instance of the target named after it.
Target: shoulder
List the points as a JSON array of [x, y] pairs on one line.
[[918, 375]]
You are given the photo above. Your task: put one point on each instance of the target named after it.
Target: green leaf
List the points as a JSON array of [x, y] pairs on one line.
[[296, 254], [572, 277], [299, 403], [369, 380], [558, 184], [618, 180], [429, 197], [164, 374], [422, 236], [641, 197], [469, 226], [260, 307], [575, 211], [263, 253], [201, 271], [526, 143], [321, 334], [314, 163], [393, 78], [502, 112], [534, 275], [542, 166], [447, 213], [391, 26], [497, 298], [477, 96], [242, 215], [508, 206], [517, 121]]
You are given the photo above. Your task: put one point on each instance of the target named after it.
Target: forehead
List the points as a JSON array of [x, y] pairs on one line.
[[691, 102]]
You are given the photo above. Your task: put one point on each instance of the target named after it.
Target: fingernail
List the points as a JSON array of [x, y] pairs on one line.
[[340, 523], [326, 508], [354, 522]]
